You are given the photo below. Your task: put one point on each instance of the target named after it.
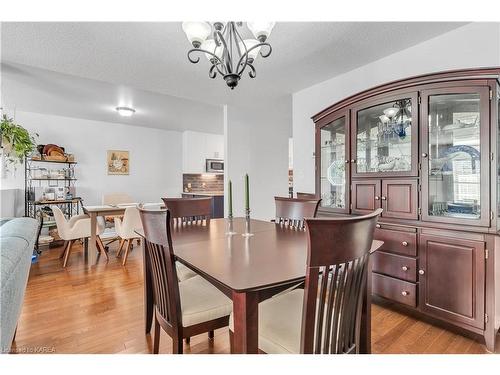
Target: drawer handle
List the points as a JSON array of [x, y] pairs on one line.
[[346, 161], [377, 225], [405, 293], [421, 272], [353, 160], [424, 155], [404, 243], [384, 198], [377, 197], [404, 268]]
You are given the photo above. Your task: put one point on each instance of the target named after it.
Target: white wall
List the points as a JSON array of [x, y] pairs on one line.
[[473, 45], [256, 142], [155, 156], [197, 147]]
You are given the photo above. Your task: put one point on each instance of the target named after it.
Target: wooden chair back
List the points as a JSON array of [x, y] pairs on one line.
[[306, 195], [189, 210], [292, 211], [158, 244], [336, 276]]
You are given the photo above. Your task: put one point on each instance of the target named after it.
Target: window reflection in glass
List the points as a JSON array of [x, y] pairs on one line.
[[454, 156]]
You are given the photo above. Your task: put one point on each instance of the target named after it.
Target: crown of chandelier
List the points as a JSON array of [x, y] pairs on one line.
[[228, 53]]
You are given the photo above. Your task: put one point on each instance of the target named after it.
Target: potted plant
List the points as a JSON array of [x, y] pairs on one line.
[[16, 141]]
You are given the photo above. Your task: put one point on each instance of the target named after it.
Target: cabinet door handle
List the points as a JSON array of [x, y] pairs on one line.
[[404, 243], [353, 160], [404, 268], [346, 161], [377, 225], [421, 272], [384, 198], [377, 197], [405, 293], [424, 155]]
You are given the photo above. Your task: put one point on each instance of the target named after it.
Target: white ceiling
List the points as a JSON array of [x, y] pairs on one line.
[[145, 59]]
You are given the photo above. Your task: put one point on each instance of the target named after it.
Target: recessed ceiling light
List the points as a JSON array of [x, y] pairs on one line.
[[125, 111]]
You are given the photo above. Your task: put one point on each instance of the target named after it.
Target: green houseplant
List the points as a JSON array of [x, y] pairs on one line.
[[16, 141]]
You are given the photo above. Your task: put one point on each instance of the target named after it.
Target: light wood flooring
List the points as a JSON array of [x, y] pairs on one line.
[[76, 310]]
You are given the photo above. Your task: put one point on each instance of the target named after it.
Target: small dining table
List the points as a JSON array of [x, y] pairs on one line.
[[247, 269]]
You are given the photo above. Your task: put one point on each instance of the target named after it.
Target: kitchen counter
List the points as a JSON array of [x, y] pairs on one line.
[[205, 193]]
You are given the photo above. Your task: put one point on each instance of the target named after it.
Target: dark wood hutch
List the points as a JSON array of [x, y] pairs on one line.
[[425, 149]]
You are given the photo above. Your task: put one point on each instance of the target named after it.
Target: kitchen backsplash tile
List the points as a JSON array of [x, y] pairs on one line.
[[202, 182]]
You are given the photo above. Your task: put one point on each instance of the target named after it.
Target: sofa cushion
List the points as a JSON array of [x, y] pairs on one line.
[[17, 239]]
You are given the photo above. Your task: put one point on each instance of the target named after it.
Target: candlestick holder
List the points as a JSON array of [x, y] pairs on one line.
[[248, 232], [230, 228]]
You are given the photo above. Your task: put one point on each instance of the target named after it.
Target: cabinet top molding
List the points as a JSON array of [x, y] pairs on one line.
[[449, 75]]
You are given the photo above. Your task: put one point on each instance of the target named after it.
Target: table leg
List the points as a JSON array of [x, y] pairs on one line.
[[365, 344], [246, 322], [93, 239], [148, 288]]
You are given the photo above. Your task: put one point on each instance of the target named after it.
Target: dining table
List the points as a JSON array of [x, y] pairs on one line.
[[247, 269]]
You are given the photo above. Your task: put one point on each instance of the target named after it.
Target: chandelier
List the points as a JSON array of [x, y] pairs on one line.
[[395, 120], [228, 53]]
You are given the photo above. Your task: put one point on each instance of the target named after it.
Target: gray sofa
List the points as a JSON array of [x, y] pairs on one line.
[[17, 239]]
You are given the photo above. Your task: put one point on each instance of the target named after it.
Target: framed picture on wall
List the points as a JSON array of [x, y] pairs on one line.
[[118, 162]]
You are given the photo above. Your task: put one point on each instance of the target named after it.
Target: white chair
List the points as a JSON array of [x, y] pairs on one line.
[[126, 231], [74, 229], [116, 198]]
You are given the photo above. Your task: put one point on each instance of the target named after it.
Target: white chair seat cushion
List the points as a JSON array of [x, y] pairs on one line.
[[280, 321], [201, 301], [184, 273]]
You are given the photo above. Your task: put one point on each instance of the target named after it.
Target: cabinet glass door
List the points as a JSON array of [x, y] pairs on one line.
[[455, 157], [386, 138], [334, 167]]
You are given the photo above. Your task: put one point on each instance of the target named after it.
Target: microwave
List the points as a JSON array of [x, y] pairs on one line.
[[214, 165]]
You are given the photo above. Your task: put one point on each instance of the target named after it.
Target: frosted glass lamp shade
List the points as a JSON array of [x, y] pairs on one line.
[[249, 43], [260, 29], [209, 45], [197, 32], [390, 112]]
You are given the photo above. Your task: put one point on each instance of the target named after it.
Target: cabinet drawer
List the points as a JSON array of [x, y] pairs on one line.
[[404, 243], [395, 265], [394, 289]]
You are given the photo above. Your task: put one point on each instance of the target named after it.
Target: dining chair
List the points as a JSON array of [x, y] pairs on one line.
[[325, 316], [306, 195], [125, 229], [292, 211], [189, 210], [182, 309], [77, 227]]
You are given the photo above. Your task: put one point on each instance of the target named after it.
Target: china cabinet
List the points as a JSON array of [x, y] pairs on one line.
[[426, 150]]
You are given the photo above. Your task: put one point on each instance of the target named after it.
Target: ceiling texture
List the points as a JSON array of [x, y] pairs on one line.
[[87, 69]]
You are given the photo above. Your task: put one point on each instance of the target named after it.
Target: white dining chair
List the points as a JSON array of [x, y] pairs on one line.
[[76, 228]]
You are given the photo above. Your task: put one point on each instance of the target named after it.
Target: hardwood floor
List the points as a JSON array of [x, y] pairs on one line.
[[75, 310]]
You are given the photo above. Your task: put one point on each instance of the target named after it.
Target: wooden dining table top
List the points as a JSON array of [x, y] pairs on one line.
[[273, 255]]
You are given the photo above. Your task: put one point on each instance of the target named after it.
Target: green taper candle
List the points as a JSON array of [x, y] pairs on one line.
[[247, 194], [230, 188]]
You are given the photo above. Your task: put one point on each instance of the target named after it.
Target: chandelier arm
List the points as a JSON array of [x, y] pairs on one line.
[[252, 48], [252, 72], [226, 58], [211, 73], [241, 66], [197, 59]]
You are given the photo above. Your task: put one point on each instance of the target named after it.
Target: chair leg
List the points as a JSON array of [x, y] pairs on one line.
[[68, 250], [156, 338], [177, 345], [188, 340], [127, 249], [231, 342], [64, 250], [211, 335], [122, 242], [101, 248]]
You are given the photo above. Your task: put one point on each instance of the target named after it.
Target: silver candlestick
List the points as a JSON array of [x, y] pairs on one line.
[[230, 228]]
